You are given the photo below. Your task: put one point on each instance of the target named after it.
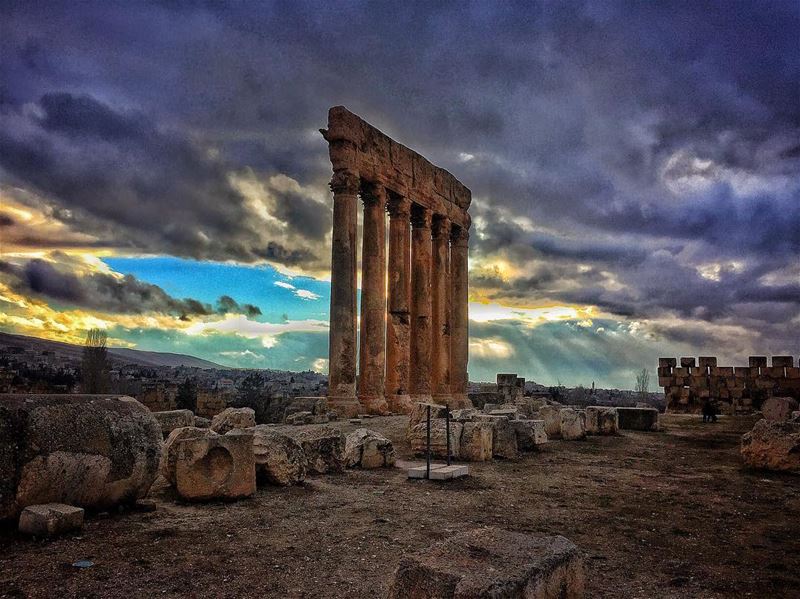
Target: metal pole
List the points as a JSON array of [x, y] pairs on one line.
[[428, 457], [447, 430]]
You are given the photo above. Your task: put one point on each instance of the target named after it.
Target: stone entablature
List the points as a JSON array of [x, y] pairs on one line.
[[413, 338], [358, 146], [737, 388]]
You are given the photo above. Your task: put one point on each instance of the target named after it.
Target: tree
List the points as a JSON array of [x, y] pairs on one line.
[[94, 366], [643, 384], [250, 389], [186, 398]]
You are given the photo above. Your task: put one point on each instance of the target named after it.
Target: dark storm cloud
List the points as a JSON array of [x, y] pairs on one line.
[[644, 140], [108, 293]]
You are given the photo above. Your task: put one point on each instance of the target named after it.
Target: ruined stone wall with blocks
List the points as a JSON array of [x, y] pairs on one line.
[[734, 389]]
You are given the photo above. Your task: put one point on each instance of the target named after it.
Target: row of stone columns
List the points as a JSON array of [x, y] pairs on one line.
[[413, 342]]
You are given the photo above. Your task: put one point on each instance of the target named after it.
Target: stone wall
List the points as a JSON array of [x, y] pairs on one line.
[[688, 383], [210, 403]]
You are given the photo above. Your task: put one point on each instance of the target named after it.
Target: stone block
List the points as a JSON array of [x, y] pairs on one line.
[[313, 405], [506, 380], [793, 372], [475, 444], [573, 424], [722, 371], [480, 399], [219, 467], [418, 438], [772, 446], [680, 372], [602, 420], [299, 418], [510, 413], [200, 422], [170, 450], [367, 449], [664, 371], [758, 361], [171, 419], [667, 362], [323, 447], [664, 381], [50, 519], [783, 361], [530, 434], [279, 459], [231, 418], [490, 562], [687, 362], [504, 439], [779, 409], [552, 421], [91, 451], [764, 382], [638, 419], [419, 413], [706, 361]]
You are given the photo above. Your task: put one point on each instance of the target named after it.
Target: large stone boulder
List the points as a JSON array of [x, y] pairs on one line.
[[490, 562], [218, 467], [504, 438], [779, 409], [367, 449], [638, 419], [91, 451], [169, 420], [169, 453], [601, 420], [231, 418], [418, 438], [475, 444], [323, 447], [552, 421], [573, 424], [530, 434], [280, 459], [773, 446], [50, 519]]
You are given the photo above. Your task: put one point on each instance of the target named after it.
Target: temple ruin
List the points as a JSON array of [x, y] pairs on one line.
[[413, 343]]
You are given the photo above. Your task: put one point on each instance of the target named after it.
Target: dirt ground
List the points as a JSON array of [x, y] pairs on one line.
[[669, 514]]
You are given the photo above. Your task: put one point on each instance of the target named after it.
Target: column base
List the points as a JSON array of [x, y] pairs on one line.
[[459, 401], [400, 404], [345, 406], [374, 404]]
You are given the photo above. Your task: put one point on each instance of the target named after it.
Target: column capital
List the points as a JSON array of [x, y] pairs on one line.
[[399, 206], [440, 226], [373, 193], [459, 236], [345, 181], [420, 217]]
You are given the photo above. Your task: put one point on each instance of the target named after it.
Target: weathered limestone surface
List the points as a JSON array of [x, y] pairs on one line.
[[398, 324], [421, 339], [601, 420], [504, 438], [773, 446], [490, 562], [552, 421], [367, 449], [440, 311], [475, 444], [171, 419], [530, 434], [279, 458], [231, 418], [419, 414], [573, 424], [169, 454], [201, 422], [638, 419], [218, 467], [779, 409], [90, 451], [50, 519], [418, 438], [323, 447]]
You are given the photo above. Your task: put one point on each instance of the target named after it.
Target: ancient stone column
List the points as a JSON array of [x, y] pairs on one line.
[[373, 301], [398, 325], [440, 310], [342, 349], [459, 317], [420, 379]]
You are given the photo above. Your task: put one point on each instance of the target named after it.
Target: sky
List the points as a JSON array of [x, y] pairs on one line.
[[634, 166]]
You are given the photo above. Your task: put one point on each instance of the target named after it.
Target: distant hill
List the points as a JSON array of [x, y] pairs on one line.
[[121, 355]]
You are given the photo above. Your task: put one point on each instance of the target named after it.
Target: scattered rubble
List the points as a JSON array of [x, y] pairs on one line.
[[171, 419], [231, 418], [216, 467], [279, 458], [367, 449], [773, 446]]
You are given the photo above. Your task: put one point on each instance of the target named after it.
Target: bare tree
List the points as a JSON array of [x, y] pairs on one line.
[[94, 366], [643, 384]]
